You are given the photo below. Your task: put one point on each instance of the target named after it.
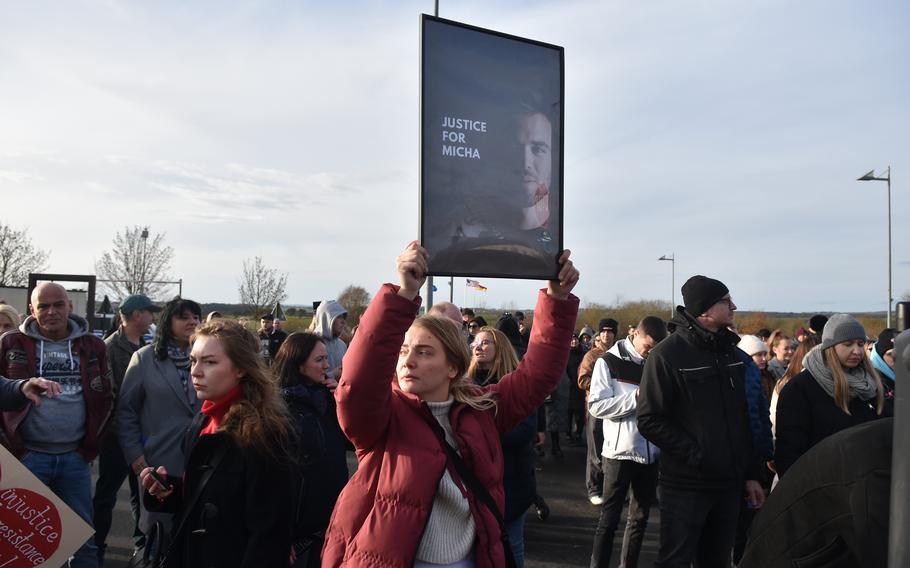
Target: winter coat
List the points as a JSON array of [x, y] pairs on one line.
[[19, 360], [244, 516], [11, 396], [806, 415], [518, 478], [613, 399], [692, 405], [382, 512], [325, 316], [323, 463], [576, 395], [586, 368], [759, 417], [557, 406], [153, 411], [832, 508]]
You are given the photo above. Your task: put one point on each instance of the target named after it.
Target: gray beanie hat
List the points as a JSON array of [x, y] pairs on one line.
[[840, 328]]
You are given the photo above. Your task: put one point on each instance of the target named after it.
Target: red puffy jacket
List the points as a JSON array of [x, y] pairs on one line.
[[380, 516]]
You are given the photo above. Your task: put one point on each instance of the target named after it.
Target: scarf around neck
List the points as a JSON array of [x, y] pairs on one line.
[[216, 410], [181, 359], [879, 363], [862, 385]]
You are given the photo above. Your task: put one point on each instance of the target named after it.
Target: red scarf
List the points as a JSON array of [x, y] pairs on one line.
[[217, 409]]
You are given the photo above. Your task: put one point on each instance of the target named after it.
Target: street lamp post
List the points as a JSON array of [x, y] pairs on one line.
[[887, 178], [672, 259], [144, 259]]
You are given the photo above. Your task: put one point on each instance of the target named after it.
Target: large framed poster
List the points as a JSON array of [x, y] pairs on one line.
[[491, 199]]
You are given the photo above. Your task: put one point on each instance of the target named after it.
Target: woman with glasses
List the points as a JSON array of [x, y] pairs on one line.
[[474, 326]]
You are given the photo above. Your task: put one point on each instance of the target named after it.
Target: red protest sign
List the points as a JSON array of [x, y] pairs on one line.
[[36, 527]]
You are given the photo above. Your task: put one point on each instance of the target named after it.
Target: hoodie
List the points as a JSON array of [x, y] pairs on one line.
[[58, 424], [72, 420], [326, 314]]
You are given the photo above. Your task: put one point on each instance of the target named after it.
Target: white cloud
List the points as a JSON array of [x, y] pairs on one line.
[[728, 132]]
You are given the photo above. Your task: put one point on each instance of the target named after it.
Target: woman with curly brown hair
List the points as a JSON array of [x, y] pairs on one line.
[[234, 503]]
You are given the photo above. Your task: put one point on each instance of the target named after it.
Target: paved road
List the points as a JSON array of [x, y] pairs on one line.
[[563, 540]]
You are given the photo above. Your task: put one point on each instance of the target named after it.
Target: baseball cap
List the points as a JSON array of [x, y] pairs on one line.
[[135, 302]]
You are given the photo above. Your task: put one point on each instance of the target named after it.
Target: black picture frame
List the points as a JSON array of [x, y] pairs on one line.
[[491, 113]]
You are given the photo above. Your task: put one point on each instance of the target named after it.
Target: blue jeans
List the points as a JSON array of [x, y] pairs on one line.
[[516, 530], [70, 478]]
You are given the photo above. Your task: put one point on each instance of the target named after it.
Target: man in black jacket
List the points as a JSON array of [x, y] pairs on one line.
[[692, 405]]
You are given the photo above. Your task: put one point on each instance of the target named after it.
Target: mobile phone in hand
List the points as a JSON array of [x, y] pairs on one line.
[[160, 481]]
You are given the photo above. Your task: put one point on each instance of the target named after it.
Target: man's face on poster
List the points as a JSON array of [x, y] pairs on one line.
[[535, 136]]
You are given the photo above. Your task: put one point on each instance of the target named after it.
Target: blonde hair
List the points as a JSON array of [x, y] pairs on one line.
[[10, 312], [504, 361], [795, 366], [842, 386], [462, 388]]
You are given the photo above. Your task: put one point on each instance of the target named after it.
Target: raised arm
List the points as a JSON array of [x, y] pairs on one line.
[[364, 394], [523, 390]]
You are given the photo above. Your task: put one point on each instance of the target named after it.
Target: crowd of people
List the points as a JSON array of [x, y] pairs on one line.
[[235, 442]]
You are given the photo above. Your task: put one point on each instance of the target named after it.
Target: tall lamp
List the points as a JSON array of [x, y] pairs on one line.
[[672, 259], [886, 178]]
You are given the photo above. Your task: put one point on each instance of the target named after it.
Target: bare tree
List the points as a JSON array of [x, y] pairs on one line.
[[137, 264], [18, 256], [355, 300], [260, 287]]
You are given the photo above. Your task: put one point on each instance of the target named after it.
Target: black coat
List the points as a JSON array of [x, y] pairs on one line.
[[11, 397], [518, 478], [321, 455], [243, 518], [832, 509], [692, 405], [806, 415]]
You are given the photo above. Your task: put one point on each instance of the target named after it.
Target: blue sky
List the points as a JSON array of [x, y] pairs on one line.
[[730, 133]]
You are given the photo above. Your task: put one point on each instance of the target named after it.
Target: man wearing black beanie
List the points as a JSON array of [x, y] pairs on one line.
[[692, 405]]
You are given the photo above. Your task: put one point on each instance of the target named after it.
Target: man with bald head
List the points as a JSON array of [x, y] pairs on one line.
[[58, 439], [446, 310]]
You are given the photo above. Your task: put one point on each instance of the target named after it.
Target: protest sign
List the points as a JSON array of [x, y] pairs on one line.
[[36, 527], [491, 152]]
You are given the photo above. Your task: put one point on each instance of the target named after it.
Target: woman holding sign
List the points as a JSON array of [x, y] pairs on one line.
[[428, 490], [234, 504]]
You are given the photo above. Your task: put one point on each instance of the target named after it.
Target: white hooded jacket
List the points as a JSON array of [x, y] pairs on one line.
[[615, 402], [326, 314]]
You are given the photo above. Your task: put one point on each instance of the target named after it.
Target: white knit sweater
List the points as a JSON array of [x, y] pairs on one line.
[[449, 534]]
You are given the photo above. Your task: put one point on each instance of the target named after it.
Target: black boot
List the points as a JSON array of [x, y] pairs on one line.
[[543, 510]]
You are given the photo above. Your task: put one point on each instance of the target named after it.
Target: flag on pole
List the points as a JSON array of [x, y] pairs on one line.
[[475, 284]]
